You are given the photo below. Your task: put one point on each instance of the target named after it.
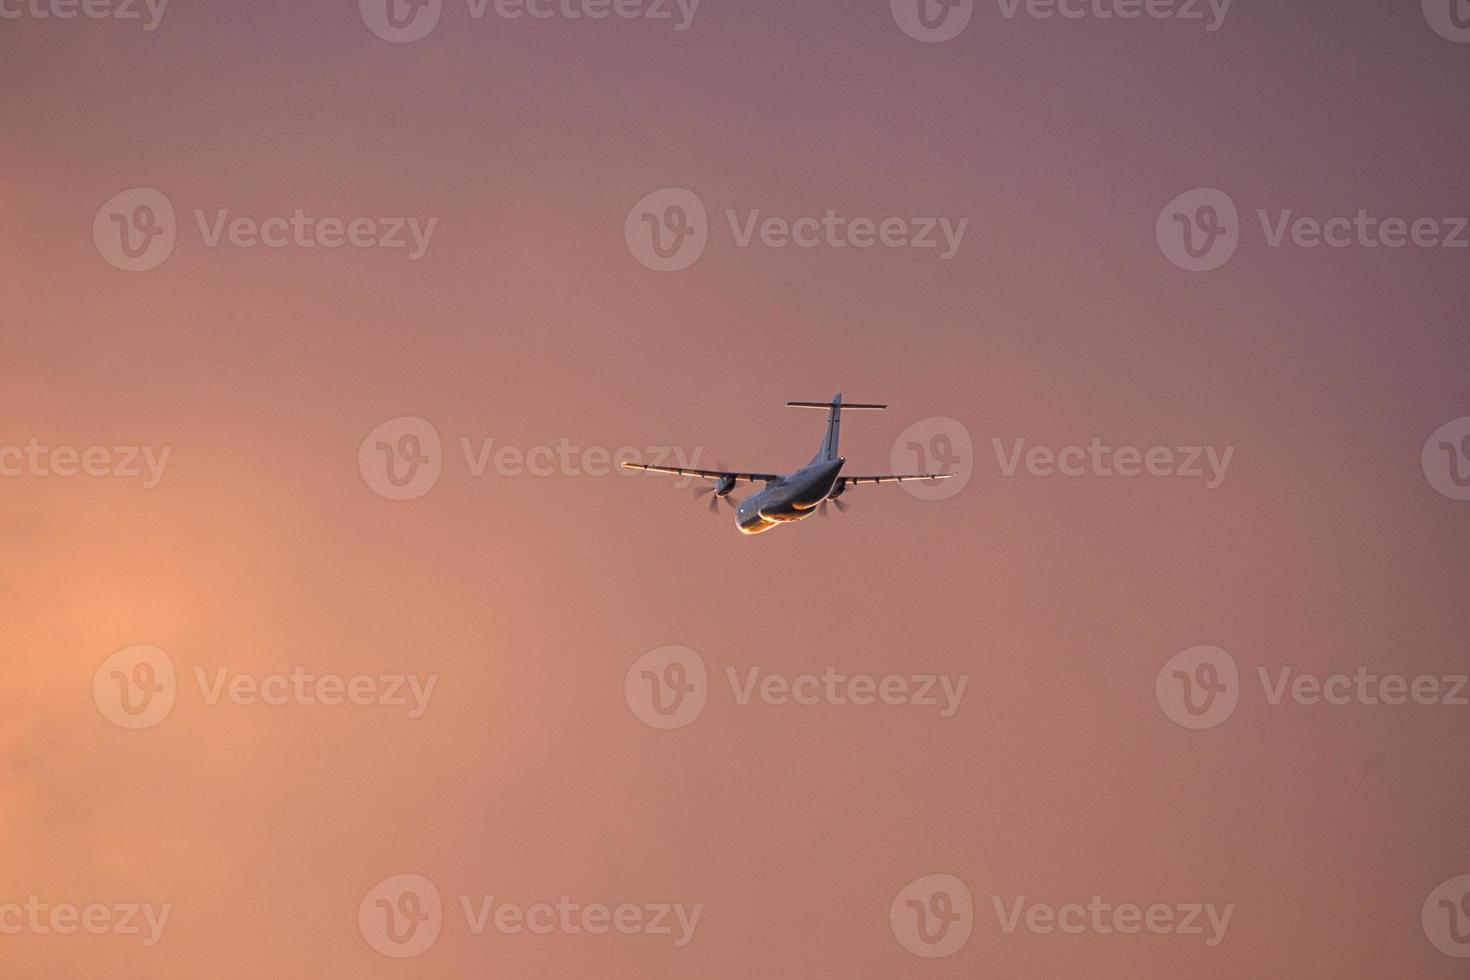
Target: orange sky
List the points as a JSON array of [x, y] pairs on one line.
[[490, 625]]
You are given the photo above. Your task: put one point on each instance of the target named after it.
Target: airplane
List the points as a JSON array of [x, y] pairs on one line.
[[793, 496]]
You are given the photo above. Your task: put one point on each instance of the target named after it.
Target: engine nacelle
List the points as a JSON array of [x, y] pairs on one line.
[[724, 486], [838, 488]]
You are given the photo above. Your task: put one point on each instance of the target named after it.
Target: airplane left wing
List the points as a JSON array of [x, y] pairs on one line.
[[702, 474]]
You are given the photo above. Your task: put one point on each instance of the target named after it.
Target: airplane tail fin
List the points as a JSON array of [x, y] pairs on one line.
[[835, 409]]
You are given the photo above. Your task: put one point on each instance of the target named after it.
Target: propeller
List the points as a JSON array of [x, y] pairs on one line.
[[714, 499], [715, 488], [841, 507]]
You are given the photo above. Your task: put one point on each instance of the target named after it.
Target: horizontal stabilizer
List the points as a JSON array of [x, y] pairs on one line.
[[845, 406]]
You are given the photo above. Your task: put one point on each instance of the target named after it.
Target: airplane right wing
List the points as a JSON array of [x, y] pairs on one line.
[[897, 478]]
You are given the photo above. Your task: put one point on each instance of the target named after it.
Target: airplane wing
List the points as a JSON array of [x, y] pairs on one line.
[[897, 477], [702, 474]]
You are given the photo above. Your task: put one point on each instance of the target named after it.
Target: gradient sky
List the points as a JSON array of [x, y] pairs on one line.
[[529, 322]]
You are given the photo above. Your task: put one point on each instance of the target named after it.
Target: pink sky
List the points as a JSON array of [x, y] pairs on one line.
[[1323, 548]]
